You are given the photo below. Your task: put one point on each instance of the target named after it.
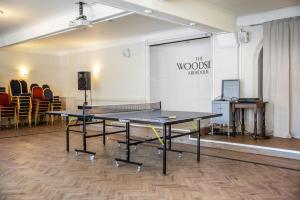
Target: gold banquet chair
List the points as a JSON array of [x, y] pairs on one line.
[[55, 103], [40, 105], [8, 110], [24, 108]]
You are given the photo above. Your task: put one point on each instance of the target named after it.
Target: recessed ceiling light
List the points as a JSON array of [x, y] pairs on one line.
[[148, 11], [192, 24]]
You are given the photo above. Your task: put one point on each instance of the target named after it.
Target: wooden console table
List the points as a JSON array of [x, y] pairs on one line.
[[255, 106]]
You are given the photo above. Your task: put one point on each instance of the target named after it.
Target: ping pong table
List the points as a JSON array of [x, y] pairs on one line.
[[145, 114]]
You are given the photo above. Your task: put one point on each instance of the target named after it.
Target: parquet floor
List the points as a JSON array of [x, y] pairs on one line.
[[37, 167]]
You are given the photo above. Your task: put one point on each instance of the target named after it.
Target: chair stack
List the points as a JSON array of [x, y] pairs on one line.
[[22, 100], [28, 104]]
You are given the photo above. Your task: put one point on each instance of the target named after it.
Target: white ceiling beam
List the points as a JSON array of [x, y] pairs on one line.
[[56, 24], [260, 18], [200, 14]]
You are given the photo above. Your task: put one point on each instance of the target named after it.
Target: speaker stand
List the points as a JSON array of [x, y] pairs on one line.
[[85, 98]]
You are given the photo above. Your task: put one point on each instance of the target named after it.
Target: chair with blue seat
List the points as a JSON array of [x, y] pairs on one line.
[[24, 88], [55, 102], [21, 100], [45, 86], [15, 88]]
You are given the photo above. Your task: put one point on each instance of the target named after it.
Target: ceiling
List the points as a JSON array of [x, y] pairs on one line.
[[130, 26], [246, 7], [21, 13]]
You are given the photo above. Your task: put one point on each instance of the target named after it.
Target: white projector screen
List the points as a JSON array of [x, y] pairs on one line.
[[181, 75]]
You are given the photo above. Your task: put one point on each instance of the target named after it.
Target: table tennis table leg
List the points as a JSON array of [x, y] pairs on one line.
[[84, 137], [169, 148], [170, 137], [128, 141], [84, 134], [103, 132], [127, 160], [164, 150], [67, 135], [198, 140]]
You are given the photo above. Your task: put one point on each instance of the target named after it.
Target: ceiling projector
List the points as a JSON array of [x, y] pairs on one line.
[[81, 21]]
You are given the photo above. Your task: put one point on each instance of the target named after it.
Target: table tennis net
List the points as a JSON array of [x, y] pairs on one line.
[[102, 109]]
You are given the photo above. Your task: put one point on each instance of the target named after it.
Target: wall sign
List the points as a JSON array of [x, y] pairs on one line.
[[181, 75], [199, 66]]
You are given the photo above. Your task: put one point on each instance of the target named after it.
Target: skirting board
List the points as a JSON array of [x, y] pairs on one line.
[[247, 148]]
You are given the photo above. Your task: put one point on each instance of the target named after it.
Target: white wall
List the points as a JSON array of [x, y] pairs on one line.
[[41, 69], [176, 87], [238, 61], [115, 78], [249, 53], [225, 61]]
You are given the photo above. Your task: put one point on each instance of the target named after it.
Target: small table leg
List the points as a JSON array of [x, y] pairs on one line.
[[243, 121], [255, 122], [263, 128], [103, 132], [198, 140], [233, 120]]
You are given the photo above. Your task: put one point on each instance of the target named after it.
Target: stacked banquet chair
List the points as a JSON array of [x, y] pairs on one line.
[[55, 102], [33, 85], [22, 100], [2, 89], [45, 86], [40, 105], [8, 110]]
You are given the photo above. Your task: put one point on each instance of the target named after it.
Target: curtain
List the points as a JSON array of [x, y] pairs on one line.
[[281, 77], [295, 76]]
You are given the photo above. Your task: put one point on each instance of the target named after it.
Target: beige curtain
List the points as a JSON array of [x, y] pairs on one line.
[[281, 77], [295, 76]]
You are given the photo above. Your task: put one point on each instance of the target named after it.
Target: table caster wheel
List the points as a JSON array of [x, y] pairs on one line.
[[159, 152], [92, 157], [138, 169], [179, 155], [117, 164]]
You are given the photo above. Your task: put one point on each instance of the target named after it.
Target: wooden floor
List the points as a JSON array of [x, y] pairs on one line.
[[36, 166]]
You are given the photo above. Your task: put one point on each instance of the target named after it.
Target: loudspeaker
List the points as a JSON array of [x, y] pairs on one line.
[[84, 80]]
